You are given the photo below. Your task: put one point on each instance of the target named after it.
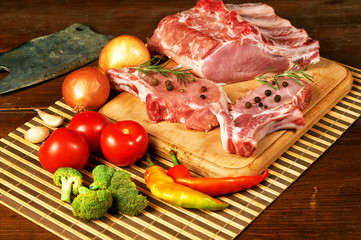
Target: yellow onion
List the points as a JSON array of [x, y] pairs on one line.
[[123, 51], [86, 89]]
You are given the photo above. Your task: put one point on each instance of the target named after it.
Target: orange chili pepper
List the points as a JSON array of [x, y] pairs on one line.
[[164, 187]]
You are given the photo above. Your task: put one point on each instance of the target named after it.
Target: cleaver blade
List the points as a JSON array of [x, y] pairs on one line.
[[49, 56]]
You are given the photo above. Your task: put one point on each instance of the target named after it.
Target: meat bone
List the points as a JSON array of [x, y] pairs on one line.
[[49, 56]]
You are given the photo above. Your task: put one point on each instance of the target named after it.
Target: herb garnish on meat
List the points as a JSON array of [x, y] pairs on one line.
[[183, 75], [291, 73]]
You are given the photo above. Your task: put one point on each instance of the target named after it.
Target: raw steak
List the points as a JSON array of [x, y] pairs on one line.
[[242, 127], [232, 43], [184, 104]]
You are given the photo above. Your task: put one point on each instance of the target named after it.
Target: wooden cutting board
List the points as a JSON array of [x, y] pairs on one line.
[[203, 152]]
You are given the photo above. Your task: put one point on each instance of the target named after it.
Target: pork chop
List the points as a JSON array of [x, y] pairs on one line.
[[260, 113], [194, 104]]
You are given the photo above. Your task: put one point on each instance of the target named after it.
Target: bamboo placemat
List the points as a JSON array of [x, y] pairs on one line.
[[26, 188]]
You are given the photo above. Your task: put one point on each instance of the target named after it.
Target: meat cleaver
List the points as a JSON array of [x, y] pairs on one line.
[[46, 57]]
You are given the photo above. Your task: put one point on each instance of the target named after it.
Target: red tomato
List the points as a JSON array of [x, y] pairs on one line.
[[90, 124], [64, 148], [124, 142]]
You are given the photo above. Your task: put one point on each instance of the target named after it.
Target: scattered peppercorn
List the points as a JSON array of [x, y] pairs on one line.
[[203, 96], [265, 106], [169, 85], [285, 84], [182, 90], [257, 99], [260, 104], [154, 82], [268, 92], [248, 105], [273, 83], [277, 98], [203, 88]]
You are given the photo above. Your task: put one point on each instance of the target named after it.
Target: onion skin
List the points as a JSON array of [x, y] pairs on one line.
[[123, 51], [86, 89]]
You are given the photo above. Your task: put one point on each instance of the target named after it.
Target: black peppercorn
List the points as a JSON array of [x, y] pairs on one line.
[[154, 82], [182, 90], [257, 99], [273, 83], [203, 88], [260, 104], [277, 98], [203, 96], [265, 106], [169, 85], [285, 84], [268, 92], [248, 105]]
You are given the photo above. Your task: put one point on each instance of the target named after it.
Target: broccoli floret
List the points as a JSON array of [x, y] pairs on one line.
[[102, 176], [126, 197], [70, 180], [92, 205], [83, 190]]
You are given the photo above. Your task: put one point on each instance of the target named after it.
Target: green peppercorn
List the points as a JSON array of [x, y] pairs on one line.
[[154, 82], [277, 98], [248, 105], [268, 92], [203, 96], [284, 84], [203, 88], [257, 99]]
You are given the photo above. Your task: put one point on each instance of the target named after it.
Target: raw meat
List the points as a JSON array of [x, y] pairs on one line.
[[232, 43], [179, 106], [242, 127]]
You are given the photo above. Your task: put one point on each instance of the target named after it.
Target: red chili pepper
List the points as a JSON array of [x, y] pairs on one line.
[[212, 186]]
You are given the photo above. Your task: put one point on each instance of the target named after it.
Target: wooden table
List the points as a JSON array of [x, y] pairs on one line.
[[324, 203]]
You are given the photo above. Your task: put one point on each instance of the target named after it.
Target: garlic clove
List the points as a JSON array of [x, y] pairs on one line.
[[36, 134], [49, 119]]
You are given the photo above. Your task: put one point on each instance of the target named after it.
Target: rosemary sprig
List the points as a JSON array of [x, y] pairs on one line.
[[183, 75], [295, 75]]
